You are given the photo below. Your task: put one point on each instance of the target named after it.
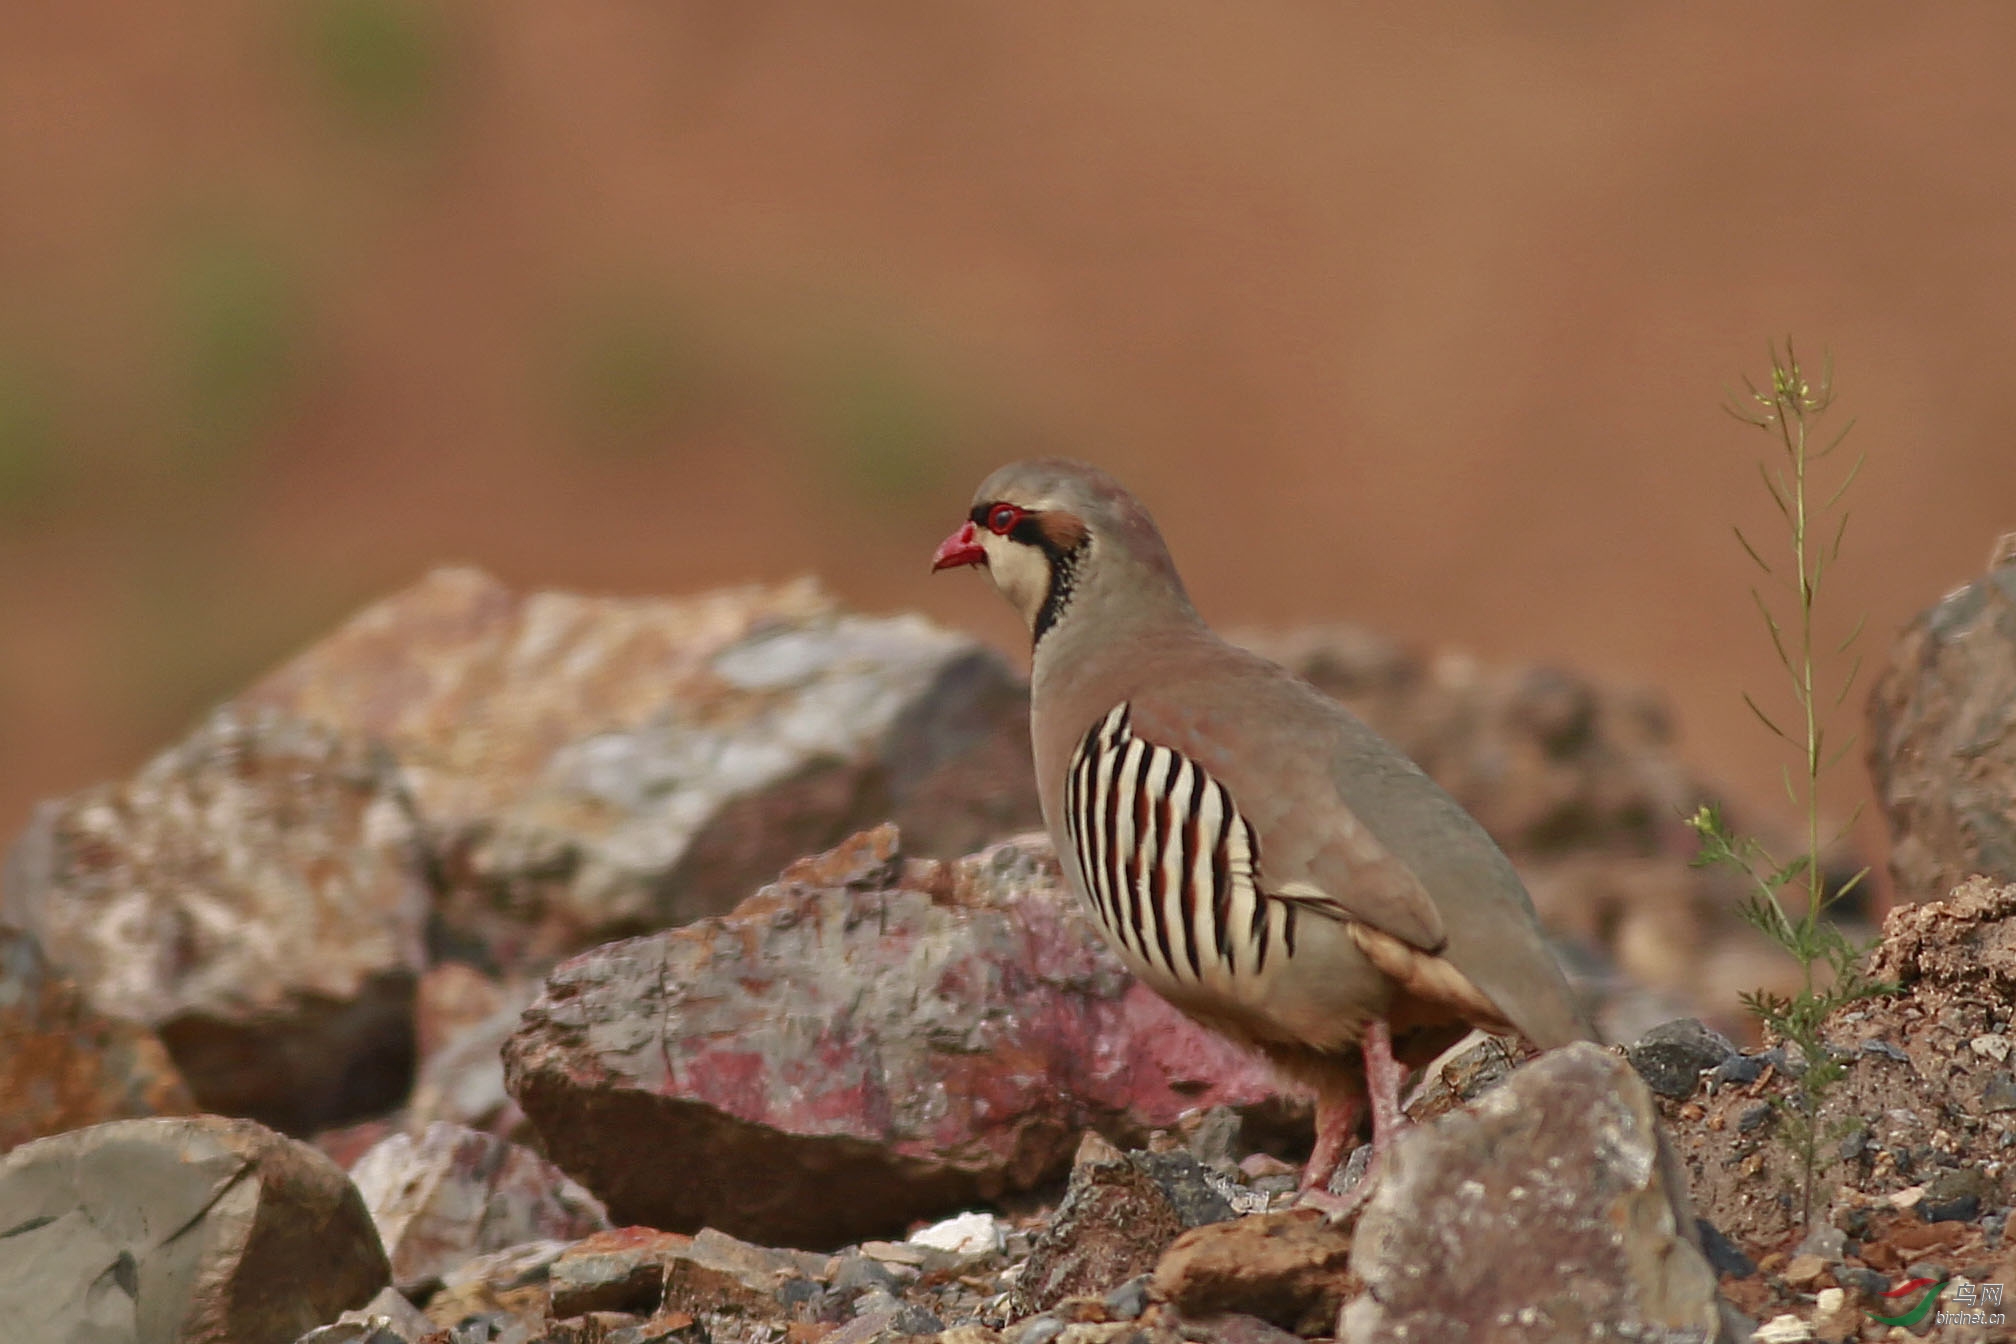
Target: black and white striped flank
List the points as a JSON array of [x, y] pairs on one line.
[[1169, 865]]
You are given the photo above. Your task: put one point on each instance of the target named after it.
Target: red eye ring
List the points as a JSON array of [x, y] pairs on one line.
[[1003, 517]]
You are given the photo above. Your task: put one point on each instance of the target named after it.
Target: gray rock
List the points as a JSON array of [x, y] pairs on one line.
[[190, 1229], [1542, 1211], [589, 768], [1672, 1056], [1940, 749], [452, 1194], [1187, 1184], [1113, 1224], [386, 1319], [256, 895]]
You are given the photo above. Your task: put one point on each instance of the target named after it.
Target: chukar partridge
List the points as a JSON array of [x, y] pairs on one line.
[[1254, 852]]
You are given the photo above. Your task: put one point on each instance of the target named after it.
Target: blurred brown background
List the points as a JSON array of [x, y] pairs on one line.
[[1411, 315]]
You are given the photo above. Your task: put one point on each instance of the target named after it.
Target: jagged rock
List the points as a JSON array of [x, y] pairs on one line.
[[254, 894], [1967, 941], [868, 1041], [622, 1269], [512, 1284], [1542, 1211], [1940, 746], [187, 1229], [1672, 1056], [386, 1319], [1114, 1224], [1291, 1269], [719, 1273], [63, 1065], [453, 1194], [593, 767], [1922, 1106]]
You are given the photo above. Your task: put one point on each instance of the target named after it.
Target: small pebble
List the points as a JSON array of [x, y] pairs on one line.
[[1724, 1255], [967, 1237], [1804, 1270], [1991, 1047], [1129, 1300], [1889, 1051], [1754, 1115], [1738, 1069], [1825, 1241], [1040, 1330], [1787, 1329]]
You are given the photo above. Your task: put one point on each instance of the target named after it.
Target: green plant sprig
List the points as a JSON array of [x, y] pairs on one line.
[[1790, 410]]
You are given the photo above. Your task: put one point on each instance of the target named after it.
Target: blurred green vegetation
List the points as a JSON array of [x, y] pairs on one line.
[[381, 61], [31, 465], [882, 424], [236, 327], [638, 367]]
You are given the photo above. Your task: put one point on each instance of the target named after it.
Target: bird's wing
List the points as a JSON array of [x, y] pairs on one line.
[[1349, 827], [1315, 850]]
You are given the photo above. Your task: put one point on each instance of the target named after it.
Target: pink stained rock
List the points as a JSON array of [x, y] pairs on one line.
[[865, 1042]]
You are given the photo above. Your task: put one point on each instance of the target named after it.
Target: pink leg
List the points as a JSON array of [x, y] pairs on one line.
[[1336, 1125], [1384, 1076]]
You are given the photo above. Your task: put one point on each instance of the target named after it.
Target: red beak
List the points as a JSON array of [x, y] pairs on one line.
[[959, 549]]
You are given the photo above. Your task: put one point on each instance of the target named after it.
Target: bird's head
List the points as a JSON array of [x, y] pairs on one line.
[[1056, 536]]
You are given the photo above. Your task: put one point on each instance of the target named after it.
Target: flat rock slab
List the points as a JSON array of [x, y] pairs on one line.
[[256, 894], [63, 1064], [179, 1229], [1535, 1214], [869, 1041]]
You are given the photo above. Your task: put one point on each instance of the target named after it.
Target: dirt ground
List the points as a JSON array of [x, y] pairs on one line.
[[1394, 314]]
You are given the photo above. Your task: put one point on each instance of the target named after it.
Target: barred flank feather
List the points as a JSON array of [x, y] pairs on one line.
[[1170, 866]]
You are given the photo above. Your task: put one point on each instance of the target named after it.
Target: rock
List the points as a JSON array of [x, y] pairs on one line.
[[256, 895], [588, 768], [1113, 1224], [719, 1273], [188, 1229], [970, 1236], [1672, 1057], [619, 1270], [386, 1319], [1290, 1268], [511, 1283], [1542, 1209], [1723, 1255], [1232, 1328], [461, 1081], [1198, 1195], [453, 1194], [1940, 752], [867, 1042], [1967, 939], [63, 1065]]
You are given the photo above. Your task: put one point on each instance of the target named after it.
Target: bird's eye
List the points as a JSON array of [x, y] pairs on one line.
[[1002, 517]]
